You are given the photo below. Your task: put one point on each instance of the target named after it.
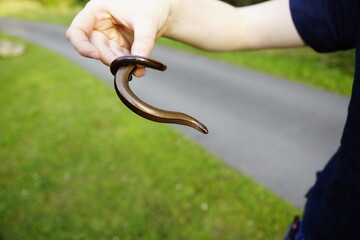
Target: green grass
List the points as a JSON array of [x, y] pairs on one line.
[[333, 72], [34, 11], [77, 164]]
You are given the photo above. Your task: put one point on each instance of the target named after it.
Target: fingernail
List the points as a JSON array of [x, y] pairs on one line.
[[142, 71]]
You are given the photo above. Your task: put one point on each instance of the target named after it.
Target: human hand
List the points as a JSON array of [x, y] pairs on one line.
[[107, 29]]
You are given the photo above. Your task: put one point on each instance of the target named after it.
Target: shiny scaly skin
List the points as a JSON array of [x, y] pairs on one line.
[[122, 68]]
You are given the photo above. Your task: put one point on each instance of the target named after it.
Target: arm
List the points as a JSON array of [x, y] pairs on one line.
[[106, 29], [222, 27]]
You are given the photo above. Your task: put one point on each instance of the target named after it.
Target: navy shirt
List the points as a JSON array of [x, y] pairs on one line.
[[333, 207]]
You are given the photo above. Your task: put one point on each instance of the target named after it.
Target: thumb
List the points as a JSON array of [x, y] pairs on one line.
[[144, 37]]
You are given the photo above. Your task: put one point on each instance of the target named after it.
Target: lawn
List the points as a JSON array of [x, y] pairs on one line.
[[32, 10], [76, 164], [332, 71]]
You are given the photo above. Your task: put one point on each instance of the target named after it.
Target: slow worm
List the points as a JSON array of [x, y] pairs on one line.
[[122, 68]]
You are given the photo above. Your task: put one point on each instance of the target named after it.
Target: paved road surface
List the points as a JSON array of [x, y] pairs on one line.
[[278, 132]]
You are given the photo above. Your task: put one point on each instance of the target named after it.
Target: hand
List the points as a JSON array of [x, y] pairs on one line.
[[107, 29]]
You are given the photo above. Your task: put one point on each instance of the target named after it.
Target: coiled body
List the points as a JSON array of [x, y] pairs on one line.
[[122, 68]]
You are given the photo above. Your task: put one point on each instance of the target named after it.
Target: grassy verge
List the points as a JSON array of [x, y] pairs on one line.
[[332, 72], [34, 11], [76, 164]]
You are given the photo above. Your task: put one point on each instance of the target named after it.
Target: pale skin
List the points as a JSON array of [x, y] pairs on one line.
[[107, 29]]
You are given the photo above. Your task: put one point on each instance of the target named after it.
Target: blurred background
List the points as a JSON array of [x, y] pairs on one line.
[[75, 164]]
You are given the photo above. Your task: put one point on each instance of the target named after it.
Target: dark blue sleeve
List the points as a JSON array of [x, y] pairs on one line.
[[327, 25]]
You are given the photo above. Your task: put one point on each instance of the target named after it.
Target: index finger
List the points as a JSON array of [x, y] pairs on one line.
[[78, 33]]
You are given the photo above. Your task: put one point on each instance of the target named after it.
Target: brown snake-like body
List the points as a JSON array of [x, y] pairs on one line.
[[122, 68]]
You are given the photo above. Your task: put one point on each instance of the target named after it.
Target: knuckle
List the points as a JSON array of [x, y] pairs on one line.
[[68, 34]]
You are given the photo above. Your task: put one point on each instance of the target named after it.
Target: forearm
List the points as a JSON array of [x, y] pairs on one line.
[[217, 26]]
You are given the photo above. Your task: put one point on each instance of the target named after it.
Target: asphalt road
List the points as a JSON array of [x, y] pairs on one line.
[[278, 132]]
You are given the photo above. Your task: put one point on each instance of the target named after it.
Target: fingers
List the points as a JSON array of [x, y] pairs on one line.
[[144, 36], [122, 51], [102, 43], [98, 37], [78, 33], [144, 39]]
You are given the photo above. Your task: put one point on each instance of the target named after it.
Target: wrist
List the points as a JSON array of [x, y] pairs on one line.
[[169, 28]]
